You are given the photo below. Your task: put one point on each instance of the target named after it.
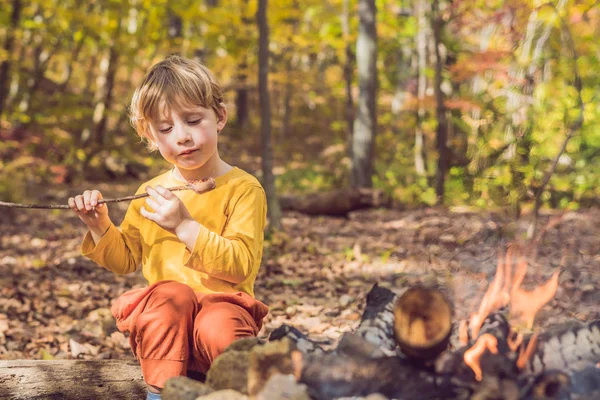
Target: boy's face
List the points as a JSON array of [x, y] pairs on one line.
[[188, 138]]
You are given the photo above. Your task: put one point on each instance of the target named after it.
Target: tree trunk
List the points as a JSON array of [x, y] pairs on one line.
[[274, 211], [440, 109], [101, 111], [348, 76], [241, 97], [8, 48], [422, 31], [71, 379], [365, 123]]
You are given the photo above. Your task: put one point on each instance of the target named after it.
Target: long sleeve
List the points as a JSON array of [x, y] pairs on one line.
[[234, 255], [119, 250]]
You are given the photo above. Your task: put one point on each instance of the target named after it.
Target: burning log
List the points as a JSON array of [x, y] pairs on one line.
[[423, 323], [568, 347]]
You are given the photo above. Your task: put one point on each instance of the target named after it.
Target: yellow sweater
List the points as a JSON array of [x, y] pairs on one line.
[[227, 253]]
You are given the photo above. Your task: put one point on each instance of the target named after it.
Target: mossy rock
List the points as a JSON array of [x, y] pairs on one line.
[[229, 371], [183, 388], [245, 344], [226, 394]]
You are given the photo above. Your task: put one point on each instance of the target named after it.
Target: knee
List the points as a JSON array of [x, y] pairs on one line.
[[220, 327], [171, 302]]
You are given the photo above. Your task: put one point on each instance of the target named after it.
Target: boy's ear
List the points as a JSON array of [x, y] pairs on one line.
[[221, 117]]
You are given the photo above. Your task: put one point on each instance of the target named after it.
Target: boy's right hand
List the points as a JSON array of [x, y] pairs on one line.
[[94, 215]]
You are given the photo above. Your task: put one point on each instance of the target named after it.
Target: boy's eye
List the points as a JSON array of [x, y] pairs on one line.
[[165, 130], [194, 122]]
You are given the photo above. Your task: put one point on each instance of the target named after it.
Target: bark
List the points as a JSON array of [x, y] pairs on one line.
[[106, 89], [274, 212], [241, 97], [365, 123], [8, 48], [377, 322], [421, 37], [348, 76], [568, 347], [440, 109], [71, 380]]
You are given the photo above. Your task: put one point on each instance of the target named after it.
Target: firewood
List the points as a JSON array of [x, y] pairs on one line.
[[343, 375], [71, 379], [568, 347], [423, 323], [377, 322], [301, 341]]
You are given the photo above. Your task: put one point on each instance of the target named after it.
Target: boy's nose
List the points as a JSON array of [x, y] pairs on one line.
[[183, 136]]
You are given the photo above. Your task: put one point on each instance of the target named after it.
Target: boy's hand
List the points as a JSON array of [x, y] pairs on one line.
[[169, 211], [94, 215]]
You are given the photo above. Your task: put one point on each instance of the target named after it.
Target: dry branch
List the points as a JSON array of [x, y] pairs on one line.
[[198, 187]]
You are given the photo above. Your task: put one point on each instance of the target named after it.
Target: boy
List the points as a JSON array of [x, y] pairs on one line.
[[199, 253]]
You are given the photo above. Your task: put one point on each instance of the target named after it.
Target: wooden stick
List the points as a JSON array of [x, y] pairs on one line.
[[199, 187]]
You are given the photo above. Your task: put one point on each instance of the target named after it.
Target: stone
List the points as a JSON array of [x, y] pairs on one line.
[[283, 387], [346, 300], [229, 371], [226, 394], [183, 388], [245, 344], [265, 361]]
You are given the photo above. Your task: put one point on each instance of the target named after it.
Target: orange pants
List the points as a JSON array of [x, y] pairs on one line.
[[172, 329]]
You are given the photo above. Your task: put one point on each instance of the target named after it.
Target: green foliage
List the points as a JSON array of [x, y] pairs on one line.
[[503, 138]]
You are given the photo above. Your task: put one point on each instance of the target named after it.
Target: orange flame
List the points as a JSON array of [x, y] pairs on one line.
[[525, 355], [514, 340], [463, 333], [504, 289], [473, 355]]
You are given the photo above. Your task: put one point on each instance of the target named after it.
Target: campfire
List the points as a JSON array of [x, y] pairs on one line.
[[409, 347], [497, 354]]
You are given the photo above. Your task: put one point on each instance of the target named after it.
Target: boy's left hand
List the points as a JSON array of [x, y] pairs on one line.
[[169, 211]]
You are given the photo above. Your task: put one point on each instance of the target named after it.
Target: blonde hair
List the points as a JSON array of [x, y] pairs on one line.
[[174, 83]]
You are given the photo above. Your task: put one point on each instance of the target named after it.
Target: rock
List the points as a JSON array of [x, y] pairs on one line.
[[283, 387], [376, 396], [245, 344], [447, 238], [183, 388], [265, 361], [229, 371], [346, 300], [290, 311], [226, 394]]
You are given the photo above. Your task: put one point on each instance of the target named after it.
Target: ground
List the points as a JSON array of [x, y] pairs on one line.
[[55, 304]]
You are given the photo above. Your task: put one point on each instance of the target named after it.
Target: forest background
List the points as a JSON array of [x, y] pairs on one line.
[[485, 105]]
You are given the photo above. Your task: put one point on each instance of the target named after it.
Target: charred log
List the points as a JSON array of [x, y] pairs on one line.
[[377, 322], [569, 347], [302, 342], [343, 375]]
